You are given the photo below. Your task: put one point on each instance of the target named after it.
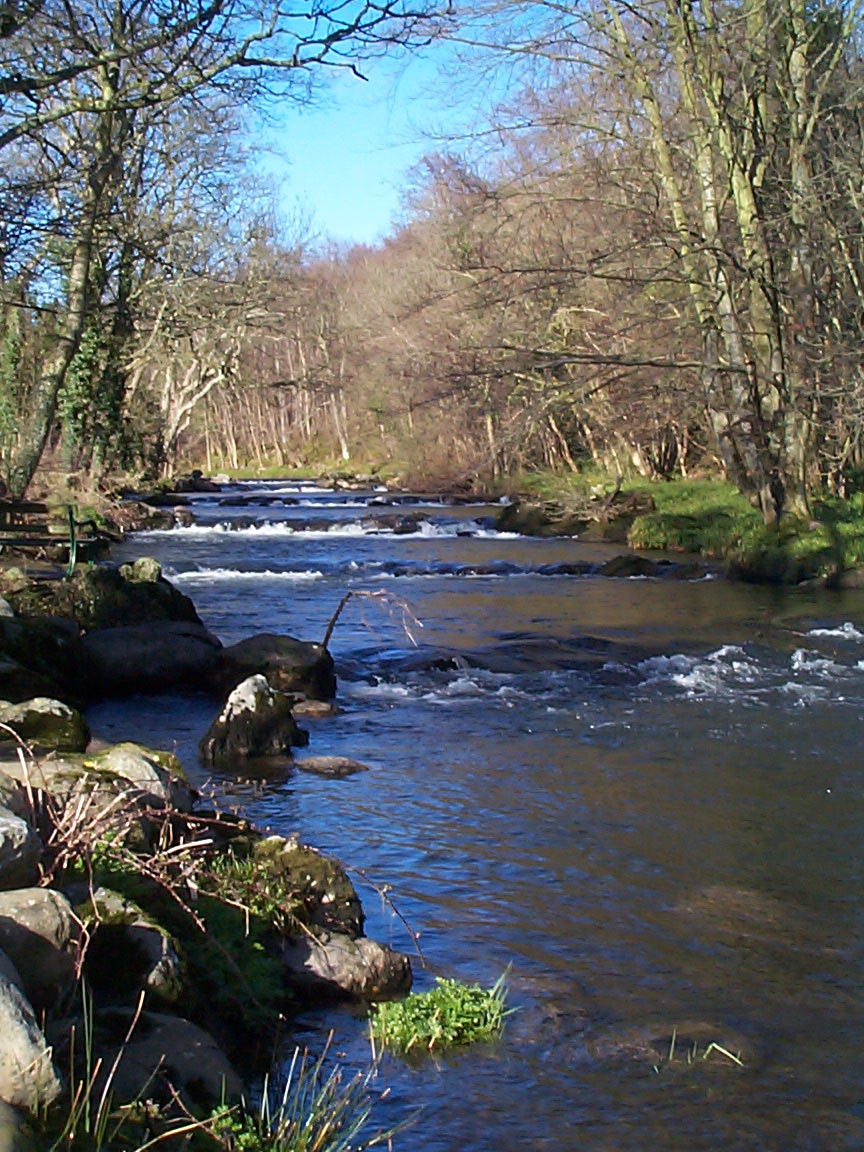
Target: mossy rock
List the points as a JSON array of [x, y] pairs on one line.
[[129, 952], [44, 725], [546, 519], [317, 883], [108, 597]]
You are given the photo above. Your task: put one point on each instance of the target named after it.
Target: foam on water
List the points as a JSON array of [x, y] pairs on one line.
[[275, 528], [734, 674], [847, 631], [228, 575]]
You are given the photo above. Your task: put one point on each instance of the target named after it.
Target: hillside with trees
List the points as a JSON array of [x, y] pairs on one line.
[[652, 260]]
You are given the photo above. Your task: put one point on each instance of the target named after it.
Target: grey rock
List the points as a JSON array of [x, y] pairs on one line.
[[168, 1054], [27, 1076], [147, 777], [40, 657], [290, 665], [44, 725], [128, 952], [337, 965], [39, 933], [14, 1134], [158, 774], [20, 849], [150, 657], [335, 766], [319, 882], [255, 721]]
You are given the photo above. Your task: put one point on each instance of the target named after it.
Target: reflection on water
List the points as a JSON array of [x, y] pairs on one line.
[[644, 796]]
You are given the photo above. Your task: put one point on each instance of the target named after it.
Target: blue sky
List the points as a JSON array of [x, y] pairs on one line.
[[345, 162]]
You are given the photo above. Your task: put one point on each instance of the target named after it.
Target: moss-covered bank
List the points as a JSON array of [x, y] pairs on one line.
[[708, 518]]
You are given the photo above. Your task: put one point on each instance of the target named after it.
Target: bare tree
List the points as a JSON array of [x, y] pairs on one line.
[[731, 101], [82, 83]]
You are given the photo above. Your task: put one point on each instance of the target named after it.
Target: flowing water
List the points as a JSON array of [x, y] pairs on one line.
[[640, 797]]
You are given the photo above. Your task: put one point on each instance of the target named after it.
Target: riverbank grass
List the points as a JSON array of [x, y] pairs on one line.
[[450, 1015], [710, 518]]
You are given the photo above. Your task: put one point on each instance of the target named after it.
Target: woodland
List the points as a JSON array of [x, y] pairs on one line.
[[650, 260]]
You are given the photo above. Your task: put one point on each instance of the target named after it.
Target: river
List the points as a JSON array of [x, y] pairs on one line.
[[642, 798]]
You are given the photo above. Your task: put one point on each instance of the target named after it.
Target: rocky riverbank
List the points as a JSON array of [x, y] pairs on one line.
[[170, 932]]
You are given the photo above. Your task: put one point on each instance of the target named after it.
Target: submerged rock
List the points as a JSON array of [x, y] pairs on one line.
[[335, 766], [685, 1045]]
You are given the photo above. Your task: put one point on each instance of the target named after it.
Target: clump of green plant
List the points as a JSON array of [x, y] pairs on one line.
[[786, 553], [316, 1111], [244, 880], [449, 1015]]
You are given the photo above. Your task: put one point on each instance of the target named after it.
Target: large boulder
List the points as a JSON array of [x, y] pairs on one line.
[[333, 964], [39, 933], [290, 665], [256, 721], [153, 657], [40, 657], [44, 725], [106, 597], [20, 849], [168, 1057], [27, 1076]]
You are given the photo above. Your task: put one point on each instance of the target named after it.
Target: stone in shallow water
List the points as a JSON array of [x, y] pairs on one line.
[[290, 665], [336, 964], [256, 721], [335, 766]]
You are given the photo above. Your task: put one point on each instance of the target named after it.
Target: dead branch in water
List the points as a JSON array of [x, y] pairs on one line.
[[392, 605]]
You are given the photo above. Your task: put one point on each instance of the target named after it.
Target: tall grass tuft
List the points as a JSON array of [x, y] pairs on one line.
[[316, 1111]]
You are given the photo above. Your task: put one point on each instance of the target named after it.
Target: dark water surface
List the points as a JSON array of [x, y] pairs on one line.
[[644, 797]]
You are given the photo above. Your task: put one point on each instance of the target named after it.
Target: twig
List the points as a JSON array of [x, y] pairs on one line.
[[390, 604]]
